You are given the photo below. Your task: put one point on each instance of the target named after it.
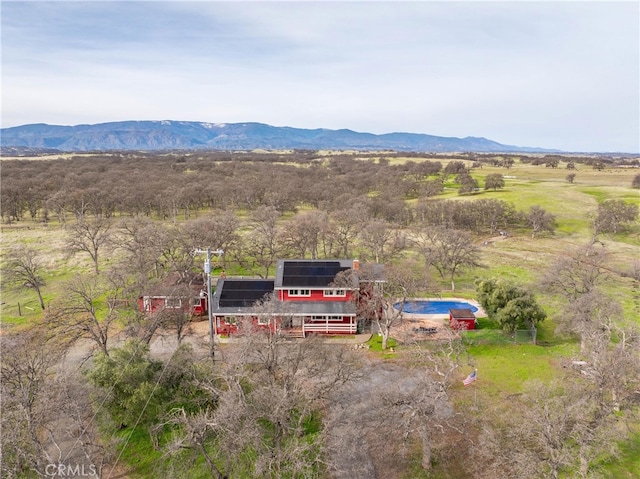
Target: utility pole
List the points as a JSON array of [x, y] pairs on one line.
[[207, 270]]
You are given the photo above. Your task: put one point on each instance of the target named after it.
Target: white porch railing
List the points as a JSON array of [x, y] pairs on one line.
[[329, 328]]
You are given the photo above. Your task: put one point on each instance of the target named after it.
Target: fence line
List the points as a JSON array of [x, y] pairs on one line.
[[497, 336]]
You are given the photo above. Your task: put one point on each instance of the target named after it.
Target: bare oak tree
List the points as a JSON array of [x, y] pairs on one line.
[[27, 366], [259, 251], [557, 429], [384, 301], [448, 251], [268, 394], [90, 237], [218, 231], [83, 312], [381, 241], [612, 356], [584, 316], [143, 241], [47, 417], [304, 233], [384, 420], [576, 271], [540, 220], [24, 267], [613, 216], [345, 226]]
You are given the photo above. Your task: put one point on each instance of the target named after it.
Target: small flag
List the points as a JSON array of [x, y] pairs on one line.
[[470, 378]]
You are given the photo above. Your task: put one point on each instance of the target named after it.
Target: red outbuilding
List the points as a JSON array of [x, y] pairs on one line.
[[462, 319], [176, 293]]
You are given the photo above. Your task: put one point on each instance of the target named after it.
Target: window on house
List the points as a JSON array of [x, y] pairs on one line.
[[263, 320], [172, 302], [230, 319], [299, 292], [326, 318], [335, 292]]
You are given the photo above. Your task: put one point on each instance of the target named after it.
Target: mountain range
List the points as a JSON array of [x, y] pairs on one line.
[[188, 135]]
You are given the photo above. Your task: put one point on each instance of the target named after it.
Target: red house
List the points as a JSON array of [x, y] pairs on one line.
[[236, 298], [307, 301], [315, 304], [176, 293], [462, 319]]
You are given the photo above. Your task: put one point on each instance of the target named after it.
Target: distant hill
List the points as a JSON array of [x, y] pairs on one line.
[[187, 135]]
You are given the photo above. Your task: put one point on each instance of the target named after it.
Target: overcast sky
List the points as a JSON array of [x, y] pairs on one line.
[[553, 74]]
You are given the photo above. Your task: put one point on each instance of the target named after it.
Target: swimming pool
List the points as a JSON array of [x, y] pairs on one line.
[[434, 306]]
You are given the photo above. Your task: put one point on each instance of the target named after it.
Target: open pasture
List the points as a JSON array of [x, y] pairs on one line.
[[518, 257], [504, 369]]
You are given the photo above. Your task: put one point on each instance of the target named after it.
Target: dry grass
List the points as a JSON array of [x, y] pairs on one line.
[[19, 304]]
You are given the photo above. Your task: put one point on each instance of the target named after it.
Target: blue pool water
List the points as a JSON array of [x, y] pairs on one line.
[[435, 306]]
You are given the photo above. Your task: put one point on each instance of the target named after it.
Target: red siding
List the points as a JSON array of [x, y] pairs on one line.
[[462, 324], [153, 304], [200, 309], [316, 295], [222, 327]]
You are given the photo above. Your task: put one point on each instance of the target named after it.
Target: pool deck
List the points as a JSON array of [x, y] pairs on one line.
[[443, 317]]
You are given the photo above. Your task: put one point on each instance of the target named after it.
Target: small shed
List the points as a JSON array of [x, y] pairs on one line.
[[462, 319], [176, 293]]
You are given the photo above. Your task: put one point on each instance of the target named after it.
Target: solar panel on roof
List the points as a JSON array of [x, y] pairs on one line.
[[311, 274], [240, 294]]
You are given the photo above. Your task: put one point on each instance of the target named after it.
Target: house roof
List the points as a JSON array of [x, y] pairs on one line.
[[462, 314], [240, 295], [371, 273], [176, 285], [315, 274], [320, 308]]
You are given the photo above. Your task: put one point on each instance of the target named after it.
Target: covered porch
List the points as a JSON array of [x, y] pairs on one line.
[[319, 317]]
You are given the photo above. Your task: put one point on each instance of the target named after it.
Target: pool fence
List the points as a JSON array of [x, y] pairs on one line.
[[498, 336]]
